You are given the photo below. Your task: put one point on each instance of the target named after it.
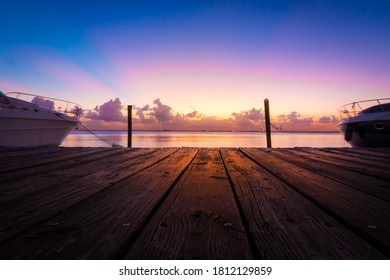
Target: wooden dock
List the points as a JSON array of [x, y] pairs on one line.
[[190, 203]]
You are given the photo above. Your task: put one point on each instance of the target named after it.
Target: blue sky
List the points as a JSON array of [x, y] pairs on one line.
[[215, 58]]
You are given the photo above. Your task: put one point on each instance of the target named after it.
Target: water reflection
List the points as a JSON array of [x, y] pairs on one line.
[[153, 139]]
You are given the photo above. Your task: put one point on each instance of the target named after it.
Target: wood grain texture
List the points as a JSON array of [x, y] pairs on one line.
[[367, 215], [101, 226], [58, 195], [190, 203], [198, 220], [64, 172], [284, 224], [356, 163], [370, 184]]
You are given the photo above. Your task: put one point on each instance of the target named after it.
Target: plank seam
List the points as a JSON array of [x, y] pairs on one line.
[[121, 254], [343, 166], [329, 177], [255, 250], [370, 240], [81, 201], [54, 161]]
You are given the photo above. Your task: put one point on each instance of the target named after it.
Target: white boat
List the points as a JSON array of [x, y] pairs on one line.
[[30, 120], [366, 123]]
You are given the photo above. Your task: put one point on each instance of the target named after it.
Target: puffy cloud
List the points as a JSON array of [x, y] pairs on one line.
[[328, 119], [249, 119], [161, 112], [193, 114], [110, 111], [295, 118], [252, 114], [162, 116], [144, 117]]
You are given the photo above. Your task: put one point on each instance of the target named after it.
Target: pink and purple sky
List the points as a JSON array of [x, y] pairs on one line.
[[199, 64]]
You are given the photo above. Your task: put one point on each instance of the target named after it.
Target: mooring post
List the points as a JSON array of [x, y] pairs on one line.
[[267, 123], [129, 125]]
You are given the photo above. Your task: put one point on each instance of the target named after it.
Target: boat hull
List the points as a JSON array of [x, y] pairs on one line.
[[30, 132], [366, 123], [366, 133], [28, 120]]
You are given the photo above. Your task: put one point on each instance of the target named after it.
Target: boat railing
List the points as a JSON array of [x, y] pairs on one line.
[[49, 104], [356, 108]]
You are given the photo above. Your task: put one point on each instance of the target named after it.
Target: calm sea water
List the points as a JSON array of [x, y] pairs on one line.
[[152, 139]]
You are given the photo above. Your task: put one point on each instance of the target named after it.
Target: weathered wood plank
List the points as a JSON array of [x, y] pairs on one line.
[[361, 156], [375, 186], [284, 224], [69, 172], [382, 154], [15, 153], [39, 157], [59, 161], [366, 167], [17, 216], [90, 203], [368, 216], [198, 220], [101, 226]]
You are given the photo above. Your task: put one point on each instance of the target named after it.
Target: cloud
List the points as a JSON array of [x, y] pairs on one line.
[[294, 118], [110, 111], [161, 112], [160, 116], [249, 118], [144, 117], [252, 114], [193, 114], [328, 119]]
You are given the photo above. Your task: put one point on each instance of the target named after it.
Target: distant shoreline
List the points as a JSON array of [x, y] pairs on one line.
[[232, 131]]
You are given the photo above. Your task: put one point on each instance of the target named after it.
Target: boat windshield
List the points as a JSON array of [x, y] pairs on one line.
[[365, 107], [377, 109], [47, 103]]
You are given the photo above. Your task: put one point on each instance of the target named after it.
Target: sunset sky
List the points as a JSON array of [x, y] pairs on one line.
[[199, 64]]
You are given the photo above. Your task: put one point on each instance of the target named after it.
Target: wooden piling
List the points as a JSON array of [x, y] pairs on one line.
[[129, 126], [267, 122]]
